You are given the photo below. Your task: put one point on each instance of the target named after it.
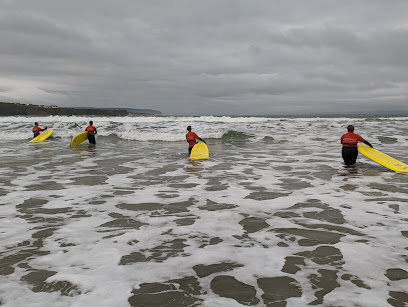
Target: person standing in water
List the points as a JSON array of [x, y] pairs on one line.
[[349, 141], [37, 129], [91, 133], [192, 138]]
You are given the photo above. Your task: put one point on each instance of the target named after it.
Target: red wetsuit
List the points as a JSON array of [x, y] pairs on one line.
[[350, 139], [349, 151], [91, 134]]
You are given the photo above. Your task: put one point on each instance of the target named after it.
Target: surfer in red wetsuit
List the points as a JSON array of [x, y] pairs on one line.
[[37, 129], [192, 138], [349, 142], [91, 133]]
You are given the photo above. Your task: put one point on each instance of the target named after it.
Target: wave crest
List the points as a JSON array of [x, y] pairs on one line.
[[233, 136]]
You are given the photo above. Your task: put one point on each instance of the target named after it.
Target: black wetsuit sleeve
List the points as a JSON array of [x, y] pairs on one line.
[[202, 140], [368, 143]]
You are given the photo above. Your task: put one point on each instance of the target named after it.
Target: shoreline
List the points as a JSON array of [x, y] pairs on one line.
[[18, 109]]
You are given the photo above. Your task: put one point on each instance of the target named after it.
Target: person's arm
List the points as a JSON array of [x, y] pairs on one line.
[[96, 132], [45, 128], [367, 143], [198, 138]]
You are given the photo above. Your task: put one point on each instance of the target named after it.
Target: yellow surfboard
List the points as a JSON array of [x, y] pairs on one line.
[[200, 151], [43, 136], [382, 158], [79, 138]]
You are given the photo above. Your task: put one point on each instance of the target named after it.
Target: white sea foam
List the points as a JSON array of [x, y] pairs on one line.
[[81, 212]]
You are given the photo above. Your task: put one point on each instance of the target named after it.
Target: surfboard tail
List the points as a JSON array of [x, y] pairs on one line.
[[200, 151], [382, 158]]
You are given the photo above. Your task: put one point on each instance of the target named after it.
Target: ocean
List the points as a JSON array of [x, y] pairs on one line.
[[273, 218]]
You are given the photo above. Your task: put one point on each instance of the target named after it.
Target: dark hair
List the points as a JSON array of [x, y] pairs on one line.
[[35, 123], [350, 128], [189, 128], [91, 122]]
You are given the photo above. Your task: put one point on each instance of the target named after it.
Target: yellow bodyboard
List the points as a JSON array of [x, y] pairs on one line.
[[382, 158], [43, 136], [200, 151], [79, 138]]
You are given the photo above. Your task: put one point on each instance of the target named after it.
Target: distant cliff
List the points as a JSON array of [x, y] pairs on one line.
[[143, 111], [133, 111], [10, 109]]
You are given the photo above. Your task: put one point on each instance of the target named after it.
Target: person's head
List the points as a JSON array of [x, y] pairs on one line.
[[36, 123], [350, 128], [189, 128], [91, 123]]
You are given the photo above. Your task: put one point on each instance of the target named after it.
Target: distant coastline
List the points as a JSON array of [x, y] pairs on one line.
[[12, 109]]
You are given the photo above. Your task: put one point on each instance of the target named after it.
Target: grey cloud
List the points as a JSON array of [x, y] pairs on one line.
[[27, 24], [188, 58]]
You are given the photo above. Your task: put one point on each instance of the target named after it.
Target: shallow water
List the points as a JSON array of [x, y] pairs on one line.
[[273, 218]]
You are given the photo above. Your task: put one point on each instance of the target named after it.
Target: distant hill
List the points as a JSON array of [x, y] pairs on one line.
[[143, 111], [130, 110], [11, 109]]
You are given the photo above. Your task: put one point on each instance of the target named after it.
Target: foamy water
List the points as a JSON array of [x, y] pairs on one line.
[[273, 218]]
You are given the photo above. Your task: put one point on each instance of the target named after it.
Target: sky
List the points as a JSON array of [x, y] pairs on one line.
[[213, 57]]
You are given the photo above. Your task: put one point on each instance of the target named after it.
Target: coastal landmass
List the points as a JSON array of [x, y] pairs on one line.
[[138, 111], [12, 109]]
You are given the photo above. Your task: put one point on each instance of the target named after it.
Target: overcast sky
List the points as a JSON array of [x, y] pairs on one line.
[[207, 57]]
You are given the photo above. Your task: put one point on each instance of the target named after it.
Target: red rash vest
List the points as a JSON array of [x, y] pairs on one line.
[[191, 138], [91, 130], [37, 129], [350, 139]]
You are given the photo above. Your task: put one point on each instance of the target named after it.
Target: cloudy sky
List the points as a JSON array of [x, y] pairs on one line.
[[216, 57]]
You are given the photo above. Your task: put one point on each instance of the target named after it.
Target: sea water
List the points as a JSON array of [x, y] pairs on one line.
[[273, 218]]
